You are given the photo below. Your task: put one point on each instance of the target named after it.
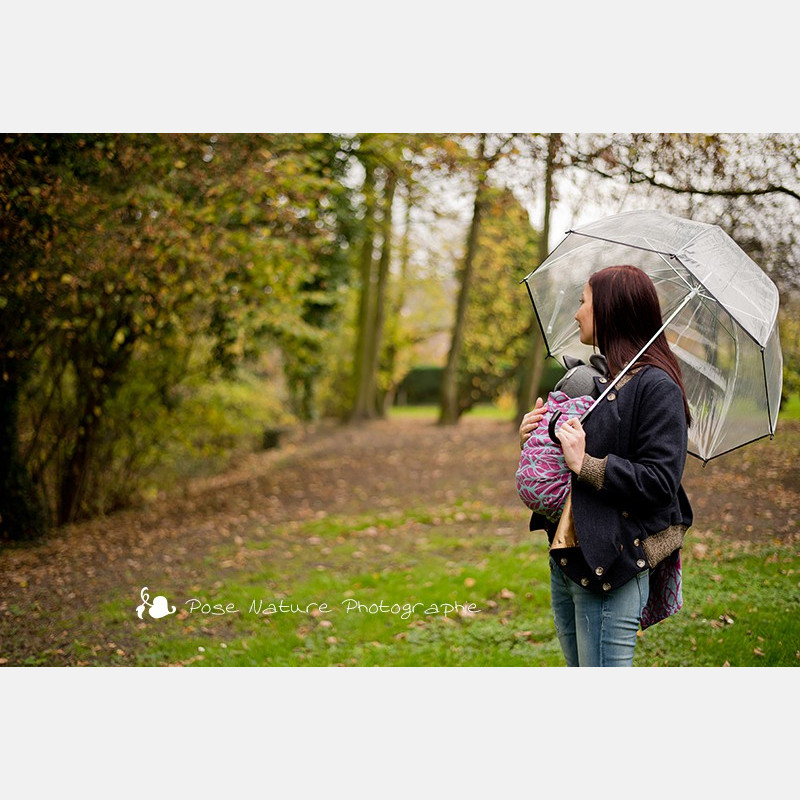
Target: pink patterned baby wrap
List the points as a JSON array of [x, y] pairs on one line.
[[542, 476]]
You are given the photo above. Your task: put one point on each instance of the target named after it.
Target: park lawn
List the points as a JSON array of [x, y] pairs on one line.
[[741, 609], [397, 591], [431, 412]]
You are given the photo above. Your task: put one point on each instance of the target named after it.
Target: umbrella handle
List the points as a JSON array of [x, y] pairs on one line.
[[551, 428]]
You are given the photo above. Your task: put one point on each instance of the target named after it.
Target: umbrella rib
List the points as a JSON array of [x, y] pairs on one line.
[[717, 317], [630, 364], [708, 295], [538, 318], [669, 262], [766, 390], [731, 450], [624, 244], [721, 323], [663, 253], [696, 237]]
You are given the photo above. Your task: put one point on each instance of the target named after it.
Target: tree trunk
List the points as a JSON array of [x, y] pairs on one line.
[[533, 366], [22, 514], [93, 394], [449, 412], [379, 316], [361, 408], [399, 302], [74, 477]]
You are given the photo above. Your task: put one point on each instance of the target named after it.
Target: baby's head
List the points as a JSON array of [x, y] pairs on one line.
[[579, 378]]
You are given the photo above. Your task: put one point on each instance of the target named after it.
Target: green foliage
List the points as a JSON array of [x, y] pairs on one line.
[[791, 408], [498, 315], [790, 345], [168, 421], [420, 386], [215, 422], [137, 266], [121, 247]]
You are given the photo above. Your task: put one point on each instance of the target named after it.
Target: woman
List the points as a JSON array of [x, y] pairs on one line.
[[626, 464]]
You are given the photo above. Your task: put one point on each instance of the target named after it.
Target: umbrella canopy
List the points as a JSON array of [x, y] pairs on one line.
[[720, 311]]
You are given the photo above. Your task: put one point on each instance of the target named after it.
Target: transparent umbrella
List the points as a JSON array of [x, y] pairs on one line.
[[720, 313]]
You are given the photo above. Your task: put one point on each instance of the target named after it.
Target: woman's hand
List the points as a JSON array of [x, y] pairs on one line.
[[530, 422], [573, 443]]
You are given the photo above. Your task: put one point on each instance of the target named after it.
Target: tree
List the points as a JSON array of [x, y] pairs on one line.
[[532, 365], [118, 245], [378, 320], [386, 160], [326, 274], [749, 184], [497, 319], [790, 342], [26, 233], [490, 150], [396, 337], [361, 377]]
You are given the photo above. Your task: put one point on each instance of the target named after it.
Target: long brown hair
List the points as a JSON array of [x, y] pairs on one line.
[[627, 314]]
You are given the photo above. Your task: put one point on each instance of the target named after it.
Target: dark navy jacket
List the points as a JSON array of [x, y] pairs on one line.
[[640, 429]]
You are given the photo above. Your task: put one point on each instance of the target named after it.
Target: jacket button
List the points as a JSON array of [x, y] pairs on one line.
[[563, 562], [599, 571], [636, 542], [611, 397], [606, 587], [603, 380], [584, 581], [641, 563], [625, 514]]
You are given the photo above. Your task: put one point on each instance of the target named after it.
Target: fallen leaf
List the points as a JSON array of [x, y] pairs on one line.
[[699, 550]]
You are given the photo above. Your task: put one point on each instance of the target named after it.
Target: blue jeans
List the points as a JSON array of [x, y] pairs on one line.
[[597, 630]]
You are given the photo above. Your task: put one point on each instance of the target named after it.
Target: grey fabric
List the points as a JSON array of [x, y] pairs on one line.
[[579, 378]]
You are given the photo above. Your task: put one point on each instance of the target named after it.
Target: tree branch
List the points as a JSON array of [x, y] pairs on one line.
[[637, 176]]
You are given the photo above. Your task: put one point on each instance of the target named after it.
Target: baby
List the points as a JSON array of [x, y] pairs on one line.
[[542, 476]]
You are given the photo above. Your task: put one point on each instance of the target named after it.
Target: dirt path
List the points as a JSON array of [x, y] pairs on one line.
[[48, 591]]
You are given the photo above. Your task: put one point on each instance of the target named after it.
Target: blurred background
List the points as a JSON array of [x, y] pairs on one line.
[[169, 302]]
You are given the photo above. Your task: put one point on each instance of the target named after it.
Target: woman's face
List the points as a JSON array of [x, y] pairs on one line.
[[585, 317]]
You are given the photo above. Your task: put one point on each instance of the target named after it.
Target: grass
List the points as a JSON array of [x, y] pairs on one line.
[[741, 608], [791, 408], [396, 591], [484, 411]]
